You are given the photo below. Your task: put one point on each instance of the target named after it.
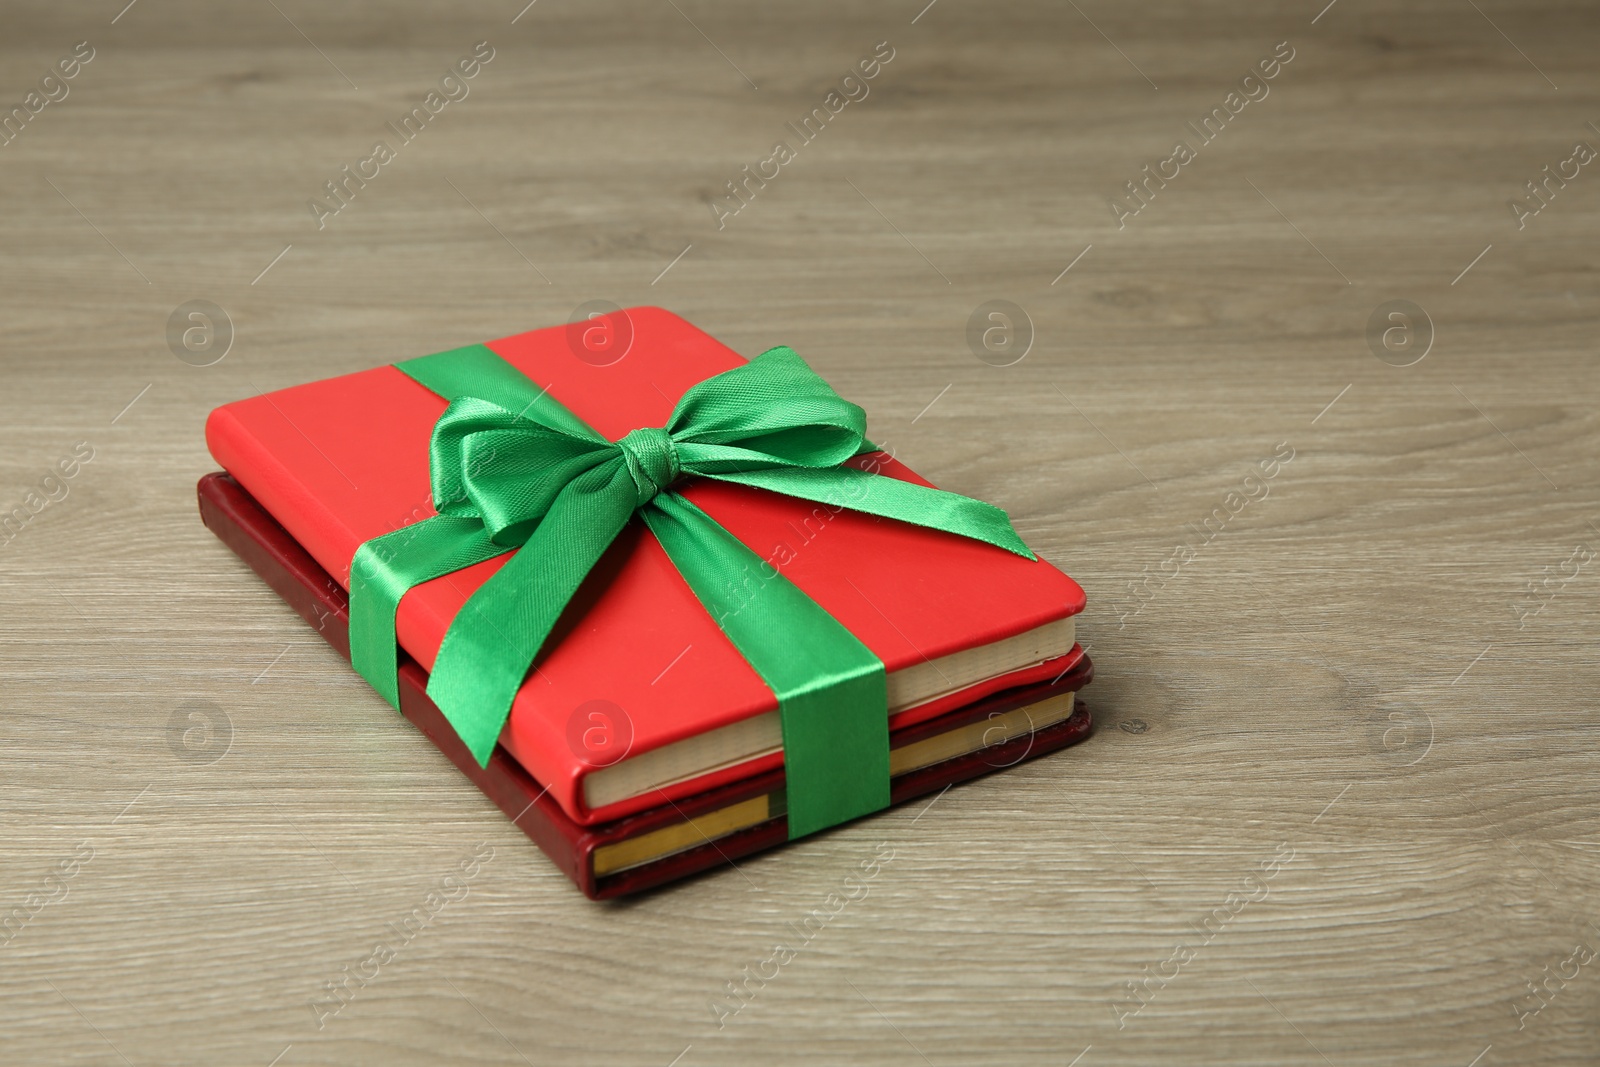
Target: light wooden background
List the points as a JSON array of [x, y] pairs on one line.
[[1342, 671]]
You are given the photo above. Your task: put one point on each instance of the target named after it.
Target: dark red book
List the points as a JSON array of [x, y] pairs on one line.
[[675, 836]]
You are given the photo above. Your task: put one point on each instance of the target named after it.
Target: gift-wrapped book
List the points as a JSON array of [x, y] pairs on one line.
[[665, 607]]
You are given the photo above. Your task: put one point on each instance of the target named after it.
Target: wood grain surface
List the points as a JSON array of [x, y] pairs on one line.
[[1341, 807]]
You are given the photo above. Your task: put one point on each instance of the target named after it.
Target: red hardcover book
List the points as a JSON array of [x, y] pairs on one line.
[[340, 461], [680, 838]]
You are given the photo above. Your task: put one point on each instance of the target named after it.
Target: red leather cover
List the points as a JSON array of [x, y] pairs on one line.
[[345, 459], [241, 524]]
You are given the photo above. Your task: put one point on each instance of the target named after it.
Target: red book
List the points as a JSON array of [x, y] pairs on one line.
[[681, 838], [340, 461]]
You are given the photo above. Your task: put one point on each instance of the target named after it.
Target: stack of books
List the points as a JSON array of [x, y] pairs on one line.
[[642, 747]]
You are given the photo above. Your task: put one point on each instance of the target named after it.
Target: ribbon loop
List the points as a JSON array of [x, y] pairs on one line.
[[489, 463], [774, 411], [652, 459]]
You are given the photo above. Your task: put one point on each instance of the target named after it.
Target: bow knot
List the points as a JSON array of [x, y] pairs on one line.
[[508, 462], [652, 460]]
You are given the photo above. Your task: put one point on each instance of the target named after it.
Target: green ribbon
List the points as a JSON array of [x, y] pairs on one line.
[[512, 468]]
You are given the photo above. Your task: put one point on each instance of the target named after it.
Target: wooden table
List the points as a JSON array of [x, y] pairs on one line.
[[1341, 806]]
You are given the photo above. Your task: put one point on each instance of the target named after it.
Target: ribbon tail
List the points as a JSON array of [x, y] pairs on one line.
[[494, 639], [831, 689], [877, 494], [385, 568]]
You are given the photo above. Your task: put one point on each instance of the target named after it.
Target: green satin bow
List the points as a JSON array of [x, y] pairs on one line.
[[512, 467]]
